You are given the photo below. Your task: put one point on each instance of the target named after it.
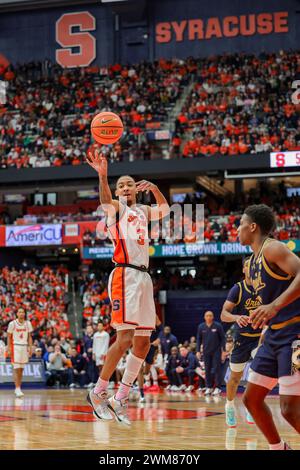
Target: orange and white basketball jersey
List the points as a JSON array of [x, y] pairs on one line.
[[130, 236], [20, 331]]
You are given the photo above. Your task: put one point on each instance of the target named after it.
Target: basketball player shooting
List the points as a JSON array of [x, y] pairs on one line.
[[275, 276], [19, 345], [130, 286]]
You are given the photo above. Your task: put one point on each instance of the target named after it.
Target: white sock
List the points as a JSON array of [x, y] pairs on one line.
[[279, 446], [133, 366], [18, 389], [230, 403]]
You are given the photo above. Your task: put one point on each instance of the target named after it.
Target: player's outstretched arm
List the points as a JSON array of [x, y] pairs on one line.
[[162, 208], [98, 161], [278, 254]]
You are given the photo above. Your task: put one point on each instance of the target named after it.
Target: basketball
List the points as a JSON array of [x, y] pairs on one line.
[[107, 128]]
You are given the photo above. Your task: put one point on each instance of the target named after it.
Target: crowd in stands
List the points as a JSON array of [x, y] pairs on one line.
[[240, 104], [46, 118], [95, 300], [42, 292]]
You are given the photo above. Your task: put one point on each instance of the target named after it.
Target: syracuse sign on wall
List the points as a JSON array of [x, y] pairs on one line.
[[227, 27], [86, 35]]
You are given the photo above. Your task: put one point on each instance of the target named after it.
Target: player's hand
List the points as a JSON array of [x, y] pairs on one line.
[[261, 315], [29, 352], [97, 160], [198, 355], [179, 369], [145, 185], [242, 320], [224, 356]]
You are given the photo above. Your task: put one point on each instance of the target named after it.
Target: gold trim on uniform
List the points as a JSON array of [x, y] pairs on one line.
[[278, 326], [271, 273], [246, 287], [251, 335], [240, 294]]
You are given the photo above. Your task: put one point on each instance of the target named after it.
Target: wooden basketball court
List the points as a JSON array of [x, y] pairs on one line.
[[62, 419]]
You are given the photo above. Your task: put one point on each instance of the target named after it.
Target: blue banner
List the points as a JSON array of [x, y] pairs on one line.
[[184, 250]]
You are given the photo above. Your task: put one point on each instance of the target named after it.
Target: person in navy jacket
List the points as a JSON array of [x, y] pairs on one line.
[[187, 366], [172, 364], [167, 341], [78, 371], [211, 338]]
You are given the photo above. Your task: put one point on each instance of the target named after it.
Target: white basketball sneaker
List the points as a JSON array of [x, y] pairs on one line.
[[119, 409], [99, 403]]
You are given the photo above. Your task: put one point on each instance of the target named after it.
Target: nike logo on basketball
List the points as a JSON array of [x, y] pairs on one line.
[[104, 121]]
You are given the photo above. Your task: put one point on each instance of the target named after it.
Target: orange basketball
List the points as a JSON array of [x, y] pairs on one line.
[[106, 128]]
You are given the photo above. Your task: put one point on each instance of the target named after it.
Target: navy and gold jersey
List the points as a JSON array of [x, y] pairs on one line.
[[269, 285], [243, 296]]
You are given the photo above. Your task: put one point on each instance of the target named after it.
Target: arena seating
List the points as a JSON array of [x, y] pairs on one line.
[[238, 104], [42, 292], [49, 123]]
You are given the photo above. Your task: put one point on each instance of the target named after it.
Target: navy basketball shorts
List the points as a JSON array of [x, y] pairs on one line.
[[275, 361], [242, 352]]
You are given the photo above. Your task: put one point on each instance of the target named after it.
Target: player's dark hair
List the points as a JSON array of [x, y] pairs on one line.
[[124, 176], [263, 216], [22, 308]]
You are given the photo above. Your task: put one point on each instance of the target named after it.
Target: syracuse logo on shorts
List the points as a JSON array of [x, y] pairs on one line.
[[116, 304]]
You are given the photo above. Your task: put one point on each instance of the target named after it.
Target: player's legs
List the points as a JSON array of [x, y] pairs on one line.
[[232, 384], [240, 355], [289, 391], [254, 401], [97, 397], [231, 389], [18, 377], [141, 346], [140, 380], [290, 410], [118, 403], [263, 377], [20, 358], [114, 354]]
